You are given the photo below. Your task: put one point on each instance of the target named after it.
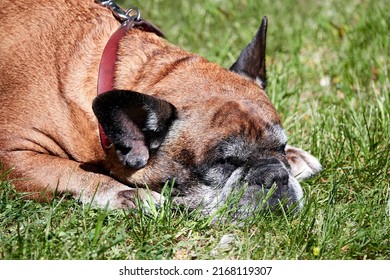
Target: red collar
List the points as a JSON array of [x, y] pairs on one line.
[[106, 76]]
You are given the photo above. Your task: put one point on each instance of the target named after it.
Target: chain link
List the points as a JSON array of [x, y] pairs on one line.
[[121, 15]]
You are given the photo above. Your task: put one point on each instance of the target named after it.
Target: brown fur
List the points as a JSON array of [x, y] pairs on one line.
[[48, 74]]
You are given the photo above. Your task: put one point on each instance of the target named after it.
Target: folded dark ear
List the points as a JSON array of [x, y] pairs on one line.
[[251, 61], [135, 123]]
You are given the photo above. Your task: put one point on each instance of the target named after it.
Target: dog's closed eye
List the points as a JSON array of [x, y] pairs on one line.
[[234, 161]]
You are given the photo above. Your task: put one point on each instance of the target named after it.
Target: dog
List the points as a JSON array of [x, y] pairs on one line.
[[169, 115]]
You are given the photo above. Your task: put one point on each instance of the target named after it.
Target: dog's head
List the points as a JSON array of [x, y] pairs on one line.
[[213, 131]]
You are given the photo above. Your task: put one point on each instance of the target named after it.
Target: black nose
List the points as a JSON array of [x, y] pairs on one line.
[[269, 172]]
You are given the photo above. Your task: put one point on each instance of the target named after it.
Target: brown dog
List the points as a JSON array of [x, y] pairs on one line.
[[174, 115]]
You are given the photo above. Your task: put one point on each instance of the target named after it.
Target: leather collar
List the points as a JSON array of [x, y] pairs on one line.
[[106, 76]]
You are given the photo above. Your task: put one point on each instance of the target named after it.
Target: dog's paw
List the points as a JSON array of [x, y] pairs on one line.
[[303, 164], [122, 197], [133, 197]]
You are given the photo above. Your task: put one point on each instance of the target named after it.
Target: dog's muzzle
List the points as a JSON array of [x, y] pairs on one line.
[[268, 184]]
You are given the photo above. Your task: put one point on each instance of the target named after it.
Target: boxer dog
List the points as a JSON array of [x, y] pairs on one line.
[[165, 115]]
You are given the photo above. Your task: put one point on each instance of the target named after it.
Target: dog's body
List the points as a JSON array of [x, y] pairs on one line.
[[208, 128]]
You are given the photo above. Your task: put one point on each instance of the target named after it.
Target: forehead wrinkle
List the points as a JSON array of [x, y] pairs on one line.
[[237, 117], [229, 114]]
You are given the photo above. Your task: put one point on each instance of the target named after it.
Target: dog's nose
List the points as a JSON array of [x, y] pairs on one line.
[[269, 172]]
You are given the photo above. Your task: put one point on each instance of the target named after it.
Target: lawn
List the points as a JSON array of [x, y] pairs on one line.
[[328, 76]]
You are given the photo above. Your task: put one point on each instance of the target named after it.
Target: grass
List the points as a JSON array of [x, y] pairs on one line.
[[328, 70]]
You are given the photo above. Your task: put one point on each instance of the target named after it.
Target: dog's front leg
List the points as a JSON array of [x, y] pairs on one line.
[[42, 175]]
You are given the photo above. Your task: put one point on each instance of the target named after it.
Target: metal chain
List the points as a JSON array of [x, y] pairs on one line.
[[121, 15]]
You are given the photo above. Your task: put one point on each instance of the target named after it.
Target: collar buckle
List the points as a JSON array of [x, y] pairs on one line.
[[122, 16]]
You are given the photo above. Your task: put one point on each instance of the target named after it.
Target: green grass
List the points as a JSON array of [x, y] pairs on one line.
[[328, 69]]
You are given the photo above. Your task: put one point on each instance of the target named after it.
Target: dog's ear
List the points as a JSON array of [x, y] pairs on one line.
[[251, 61], [303, 165], [134, 122]]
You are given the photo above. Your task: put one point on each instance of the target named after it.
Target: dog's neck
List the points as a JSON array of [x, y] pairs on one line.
[[109, 58], [106, 76], [146, 53]]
